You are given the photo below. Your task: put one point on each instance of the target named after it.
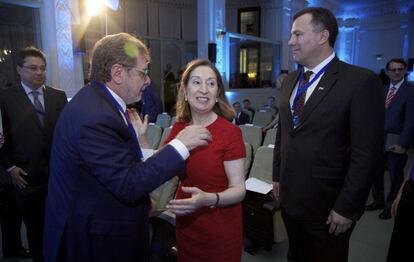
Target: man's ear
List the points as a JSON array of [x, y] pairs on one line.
[[324, 36], [117, 74], [18, 69]]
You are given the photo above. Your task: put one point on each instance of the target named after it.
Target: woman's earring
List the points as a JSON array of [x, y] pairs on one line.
[[185, 98], [216, 100]]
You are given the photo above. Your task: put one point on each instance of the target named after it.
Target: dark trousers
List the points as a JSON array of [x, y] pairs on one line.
[[32, 207], [396, 164], [11, 222], [310, 241], [400, 249]]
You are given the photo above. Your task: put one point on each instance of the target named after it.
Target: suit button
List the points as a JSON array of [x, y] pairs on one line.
[[292, 135]]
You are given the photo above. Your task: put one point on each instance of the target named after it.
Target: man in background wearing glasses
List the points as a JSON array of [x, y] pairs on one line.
[[399, 132], [29, 112]]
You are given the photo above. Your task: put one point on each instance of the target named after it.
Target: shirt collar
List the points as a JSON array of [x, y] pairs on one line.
[[321, 65], [398, 85], [117, 98], [28, 90]]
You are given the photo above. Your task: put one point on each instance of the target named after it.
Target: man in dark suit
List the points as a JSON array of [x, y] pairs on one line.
[[97, 206], [247, 106], [10, 218], [151, 104], [241, 117], [399, 132], [328, 144], [30, 111]]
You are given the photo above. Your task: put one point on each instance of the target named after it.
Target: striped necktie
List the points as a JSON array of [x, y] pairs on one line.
[[297, 109], [390, 96], [40, 111]]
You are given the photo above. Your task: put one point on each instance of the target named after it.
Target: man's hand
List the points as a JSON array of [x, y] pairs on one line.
[[338, 223], [140, 126], [276, 192], [397, 149], [17, 177], [194, 136]]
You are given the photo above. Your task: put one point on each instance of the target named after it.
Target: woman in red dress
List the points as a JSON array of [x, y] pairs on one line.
[[207, 204]]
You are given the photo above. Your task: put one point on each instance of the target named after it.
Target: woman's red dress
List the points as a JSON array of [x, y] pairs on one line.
[[210, 234]]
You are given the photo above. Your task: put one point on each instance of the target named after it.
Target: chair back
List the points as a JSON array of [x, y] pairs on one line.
[[270, 137], [163, 194], [262, 167], [262, 118], [163, 120], [154, 135], [164, 136], [252, 135]]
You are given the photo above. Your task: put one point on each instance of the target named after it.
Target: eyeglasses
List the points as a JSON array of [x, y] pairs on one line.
[[396, 69], [144, 72], [34, 68]]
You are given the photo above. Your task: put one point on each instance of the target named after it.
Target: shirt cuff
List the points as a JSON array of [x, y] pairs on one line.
[[10, 169], [180, 147]]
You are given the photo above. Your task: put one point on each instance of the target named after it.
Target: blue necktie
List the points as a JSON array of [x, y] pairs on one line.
[[132, 130]]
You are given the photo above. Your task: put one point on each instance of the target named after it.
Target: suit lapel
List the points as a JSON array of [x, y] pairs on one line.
[[326, 83], [289, 89], [398, 96], [26, 105], [48, 99]]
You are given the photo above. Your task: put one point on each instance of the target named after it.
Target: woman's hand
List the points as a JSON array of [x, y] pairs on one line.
[[186, 206]]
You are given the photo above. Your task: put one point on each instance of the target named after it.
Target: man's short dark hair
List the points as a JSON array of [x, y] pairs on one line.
[[396, 60], [30, 51], [322, 19], [236, 103], [246, 100]]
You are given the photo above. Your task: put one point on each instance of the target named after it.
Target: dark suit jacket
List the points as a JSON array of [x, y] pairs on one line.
[[242, 119], [329, 160], [399, 116], [27, 142], [151, 104], [98, 203]]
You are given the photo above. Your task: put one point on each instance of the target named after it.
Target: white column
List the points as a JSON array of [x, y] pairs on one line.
[[56, 22], [205, 26]]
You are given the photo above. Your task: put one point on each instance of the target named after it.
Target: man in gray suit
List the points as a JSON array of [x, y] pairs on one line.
[[30, 111]]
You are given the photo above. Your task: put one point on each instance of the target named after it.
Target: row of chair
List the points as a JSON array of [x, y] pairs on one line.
[[261, 118], [251, 134]]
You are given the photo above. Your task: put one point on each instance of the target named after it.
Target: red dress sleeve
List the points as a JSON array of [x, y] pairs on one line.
[[235, 148]]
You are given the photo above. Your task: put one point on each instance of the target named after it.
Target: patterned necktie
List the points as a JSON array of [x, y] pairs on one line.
[[300, 102], [390, 96], [40, 111]]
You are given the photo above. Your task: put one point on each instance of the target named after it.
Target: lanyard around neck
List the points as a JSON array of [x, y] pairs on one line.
[[304, 88], [131, 128]]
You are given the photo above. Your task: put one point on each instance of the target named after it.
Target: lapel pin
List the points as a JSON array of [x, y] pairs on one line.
[[321, 88]]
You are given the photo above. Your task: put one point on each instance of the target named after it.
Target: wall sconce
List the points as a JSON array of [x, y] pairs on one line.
[[379, 57]]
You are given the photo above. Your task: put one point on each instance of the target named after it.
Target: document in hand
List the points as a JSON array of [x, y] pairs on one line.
[[259, 186]]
